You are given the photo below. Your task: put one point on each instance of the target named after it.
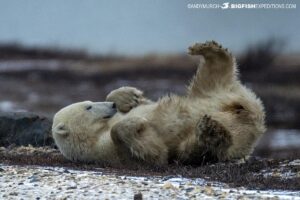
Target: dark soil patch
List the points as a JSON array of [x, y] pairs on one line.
[[254, 174]]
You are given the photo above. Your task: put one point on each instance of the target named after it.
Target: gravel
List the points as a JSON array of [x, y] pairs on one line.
[[33, 182]]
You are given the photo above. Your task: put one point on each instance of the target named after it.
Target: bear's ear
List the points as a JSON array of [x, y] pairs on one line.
[[60, 129]]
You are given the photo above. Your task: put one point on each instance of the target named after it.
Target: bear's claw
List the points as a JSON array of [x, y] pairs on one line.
[[208, 48]]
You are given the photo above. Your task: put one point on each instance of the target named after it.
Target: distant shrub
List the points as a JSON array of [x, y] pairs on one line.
[[18, 51], [261, 55]]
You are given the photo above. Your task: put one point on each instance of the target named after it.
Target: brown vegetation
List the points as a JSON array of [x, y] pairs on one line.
[[254, 174]]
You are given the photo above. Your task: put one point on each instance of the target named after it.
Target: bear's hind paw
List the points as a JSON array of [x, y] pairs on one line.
[[213, 134], [209, 49]]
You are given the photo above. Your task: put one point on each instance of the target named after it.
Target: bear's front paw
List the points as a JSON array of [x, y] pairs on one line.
[[213, 134], [210, 50], [125, 98]]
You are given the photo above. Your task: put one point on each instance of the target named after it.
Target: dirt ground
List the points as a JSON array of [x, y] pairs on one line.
[[255, 173]]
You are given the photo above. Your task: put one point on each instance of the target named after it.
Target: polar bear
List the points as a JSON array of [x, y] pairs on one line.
[[218, 119]]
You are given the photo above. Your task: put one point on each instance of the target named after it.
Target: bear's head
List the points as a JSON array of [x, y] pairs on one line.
[[76, 128]]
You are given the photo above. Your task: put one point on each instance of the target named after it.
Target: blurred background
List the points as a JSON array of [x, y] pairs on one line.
[[54, 53]]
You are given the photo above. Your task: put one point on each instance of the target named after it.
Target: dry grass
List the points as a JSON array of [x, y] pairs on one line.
[[247, 175]]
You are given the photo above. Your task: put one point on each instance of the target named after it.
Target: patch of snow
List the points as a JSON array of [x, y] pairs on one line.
[[295, 162], [31, 182], [23, 65], [7, 106], [285, 139], [282, 175]]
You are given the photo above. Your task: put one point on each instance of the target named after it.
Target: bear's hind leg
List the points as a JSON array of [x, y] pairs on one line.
[[214, 137], [135, 136], [218, 70]]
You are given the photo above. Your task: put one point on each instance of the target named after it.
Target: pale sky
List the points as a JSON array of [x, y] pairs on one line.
[[142, 26]]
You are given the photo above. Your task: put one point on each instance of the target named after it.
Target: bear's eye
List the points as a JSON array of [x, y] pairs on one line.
[[88, 107]]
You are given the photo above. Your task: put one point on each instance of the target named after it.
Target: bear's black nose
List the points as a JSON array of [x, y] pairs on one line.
[[114, 105]]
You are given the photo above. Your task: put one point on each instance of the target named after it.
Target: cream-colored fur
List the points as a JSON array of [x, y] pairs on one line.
[[218, 119]]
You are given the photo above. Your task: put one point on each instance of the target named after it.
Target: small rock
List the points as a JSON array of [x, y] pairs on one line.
[[276, 174], [208, 190], [189, 189], [144, 183], [169, 185], [223, 195], [138, 196], [168, 177], [24, 128], [33, 179], [13, 194], [72, 186], [120, 182]]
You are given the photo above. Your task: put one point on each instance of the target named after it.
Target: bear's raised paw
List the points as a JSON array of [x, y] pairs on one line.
[[125, 98], [210, 50]]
